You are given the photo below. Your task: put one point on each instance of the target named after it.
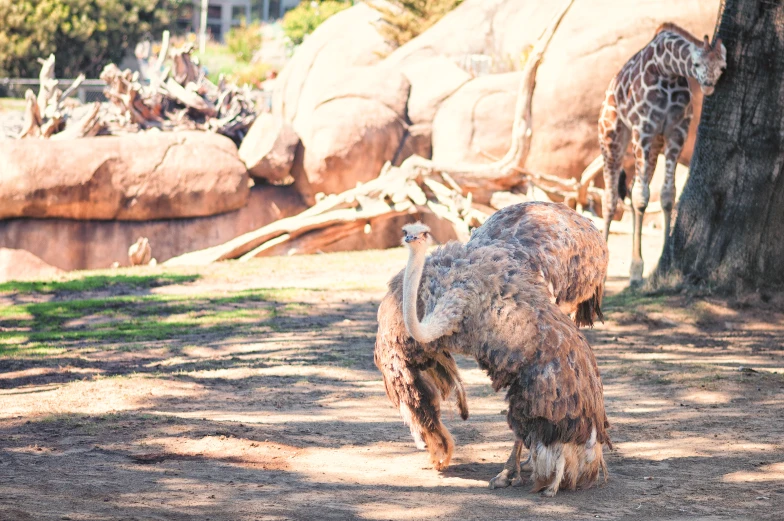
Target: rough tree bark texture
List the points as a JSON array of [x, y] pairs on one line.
[[730, 226]]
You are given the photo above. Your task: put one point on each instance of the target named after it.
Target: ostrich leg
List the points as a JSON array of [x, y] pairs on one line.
[[511, 473]]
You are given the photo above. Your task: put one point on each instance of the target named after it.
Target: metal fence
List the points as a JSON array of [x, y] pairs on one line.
[[88, 92]]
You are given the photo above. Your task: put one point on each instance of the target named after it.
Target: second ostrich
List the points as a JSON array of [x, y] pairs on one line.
[[481, 301]]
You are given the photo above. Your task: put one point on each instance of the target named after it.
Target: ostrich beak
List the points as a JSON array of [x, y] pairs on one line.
[[409, 238]]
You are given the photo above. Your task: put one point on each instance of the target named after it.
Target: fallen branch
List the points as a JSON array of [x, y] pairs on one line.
[[396, 192]]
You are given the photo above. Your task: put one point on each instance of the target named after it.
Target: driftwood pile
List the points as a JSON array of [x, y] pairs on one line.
[[46, 113], [174, 97]]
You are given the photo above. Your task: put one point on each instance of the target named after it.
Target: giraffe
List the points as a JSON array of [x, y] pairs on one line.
[[649, 104]]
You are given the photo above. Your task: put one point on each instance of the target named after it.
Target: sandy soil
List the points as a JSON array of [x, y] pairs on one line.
[[290, 420]]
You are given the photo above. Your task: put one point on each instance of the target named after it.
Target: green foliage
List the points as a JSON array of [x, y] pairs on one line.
[[219, 59], [84, 35], [303, 19], [249, 74], [244, 41], [410, 18]]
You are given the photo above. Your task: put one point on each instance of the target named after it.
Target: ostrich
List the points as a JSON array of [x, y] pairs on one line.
[[567, 252], [482, 302]]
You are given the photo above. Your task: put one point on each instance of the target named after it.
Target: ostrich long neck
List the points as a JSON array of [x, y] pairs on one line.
[[424, 331]]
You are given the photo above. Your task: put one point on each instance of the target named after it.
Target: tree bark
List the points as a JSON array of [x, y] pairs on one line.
[[731, 215]]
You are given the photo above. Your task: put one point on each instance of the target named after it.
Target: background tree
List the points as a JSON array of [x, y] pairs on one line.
[[730, 227], [84, 35]]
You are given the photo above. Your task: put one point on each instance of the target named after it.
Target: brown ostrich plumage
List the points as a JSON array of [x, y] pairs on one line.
[[493, 299], [564, 246]]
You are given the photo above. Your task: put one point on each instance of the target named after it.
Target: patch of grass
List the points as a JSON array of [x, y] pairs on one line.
[[97, 282], [46, 327], [631, 300], [35, 328]]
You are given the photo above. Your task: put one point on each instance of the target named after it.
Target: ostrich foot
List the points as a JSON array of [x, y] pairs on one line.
[[635, 273], [510, 475], [503, 479]]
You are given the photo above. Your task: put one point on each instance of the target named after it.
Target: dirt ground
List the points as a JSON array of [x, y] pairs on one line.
[[248, 392]]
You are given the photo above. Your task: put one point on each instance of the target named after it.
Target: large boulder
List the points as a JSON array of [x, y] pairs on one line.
[[348, 114], [269, 149], [347, 39], [471, 28], [137, 177], [23, 265], [72, 245], [593, 41], [355, 127], [475, 119], [433, 79]]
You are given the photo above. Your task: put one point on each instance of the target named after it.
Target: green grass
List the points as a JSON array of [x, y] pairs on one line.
[[96, 282], [126, 322], [631, 300]]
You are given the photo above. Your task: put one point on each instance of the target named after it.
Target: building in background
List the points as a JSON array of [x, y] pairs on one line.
[[222, 15], [267, 10]]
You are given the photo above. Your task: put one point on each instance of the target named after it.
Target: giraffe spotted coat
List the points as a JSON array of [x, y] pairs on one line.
[[648, 104]]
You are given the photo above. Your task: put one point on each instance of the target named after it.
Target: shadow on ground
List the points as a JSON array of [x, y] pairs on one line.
[[141, 402]]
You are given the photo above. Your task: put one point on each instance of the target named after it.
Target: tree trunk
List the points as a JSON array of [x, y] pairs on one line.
[[731, 215]]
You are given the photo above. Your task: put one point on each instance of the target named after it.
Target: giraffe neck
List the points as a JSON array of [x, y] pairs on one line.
[[673, 55]]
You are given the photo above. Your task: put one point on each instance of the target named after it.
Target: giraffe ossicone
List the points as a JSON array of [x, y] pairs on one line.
[[648, 103]]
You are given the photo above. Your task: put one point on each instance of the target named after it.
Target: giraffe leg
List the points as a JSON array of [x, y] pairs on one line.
[[646, 151], [673, 149], [613, 140], [668, 190]]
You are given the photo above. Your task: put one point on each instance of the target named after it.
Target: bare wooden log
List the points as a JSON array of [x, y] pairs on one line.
[[184, 70], [309, 243], [75, 85], [32, 117], [47, 82], [189, 98], [90, 125]]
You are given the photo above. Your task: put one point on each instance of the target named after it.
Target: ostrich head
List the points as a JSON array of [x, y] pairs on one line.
[[416, 236], [709, 62]]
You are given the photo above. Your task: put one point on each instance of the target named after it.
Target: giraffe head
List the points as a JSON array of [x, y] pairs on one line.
[[709, 62]]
